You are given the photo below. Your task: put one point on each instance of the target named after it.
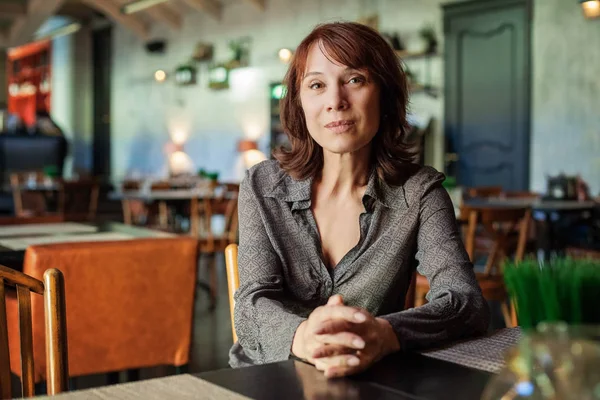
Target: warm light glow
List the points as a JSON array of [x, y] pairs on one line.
[[253, 130], [160, 75], [591, 8], [180, 163], [253, 157], [179, 136], [285, 55]]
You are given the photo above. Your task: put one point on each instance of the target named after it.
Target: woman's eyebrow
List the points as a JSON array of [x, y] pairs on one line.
[[312, 73]]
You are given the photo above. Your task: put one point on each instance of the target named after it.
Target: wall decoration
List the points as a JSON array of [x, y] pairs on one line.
[[203, 52], [371, 21], [218, 77], [240, 53], [186, 75], [429, 36]]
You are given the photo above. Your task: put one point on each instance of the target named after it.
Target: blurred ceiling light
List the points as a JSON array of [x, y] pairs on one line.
[[180, 163], [591, 8], [179, 137], [160, 76], [140, 5], [253, 157], [58, 32], [285, 55]]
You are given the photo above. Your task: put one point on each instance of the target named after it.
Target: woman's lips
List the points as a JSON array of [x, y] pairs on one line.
[[340, 126]]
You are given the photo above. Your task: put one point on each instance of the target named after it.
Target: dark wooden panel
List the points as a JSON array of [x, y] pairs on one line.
[[487, 92]]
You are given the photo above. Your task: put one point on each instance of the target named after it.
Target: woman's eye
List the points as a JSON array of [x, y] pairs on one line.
[[356, 79], [315, 85]]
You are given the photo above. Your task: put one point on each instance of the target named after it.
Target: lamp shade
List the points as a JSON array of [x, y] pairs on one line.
[[591, 8], [246, 144]]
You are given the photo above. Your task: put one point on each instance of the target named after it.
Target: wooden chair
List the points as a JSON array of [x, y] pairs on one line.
[[203, 211], [131, 304], [53, 291], [483, 192], [136, 210], [27, 203], [500, 224], [40, 219], [233, 280], [78, 200], [133, 210]]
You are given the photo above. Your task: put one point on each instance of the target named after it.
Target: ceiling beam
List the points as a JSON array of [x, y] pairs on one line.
[[3, 39], [211, 7], [260, 4], [23, 28], [113, 11], [166, 16], [10, 10]]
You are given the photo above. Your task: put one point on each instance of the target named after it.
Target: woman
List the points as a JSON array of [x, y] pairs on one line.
[[330, 232]]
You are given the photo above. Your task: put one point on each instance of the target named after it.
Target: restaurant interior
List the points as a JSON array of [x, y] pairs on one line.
[[126, 127]]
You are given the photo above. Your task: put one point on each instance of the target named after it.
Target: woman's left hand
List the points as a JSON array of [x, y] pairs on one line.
[[337, 358]]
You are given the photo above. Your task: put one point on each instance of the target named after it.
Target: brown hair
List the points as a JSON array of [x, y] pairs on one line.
[[360, 47]]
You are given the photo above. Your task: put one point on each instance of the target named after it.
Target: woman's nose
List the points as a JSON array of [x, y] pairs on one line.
[[337, 100]]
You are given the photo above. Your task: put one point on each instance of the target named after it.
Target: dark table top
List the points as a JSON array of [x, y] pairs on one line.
[[14, 258], [399, 376]]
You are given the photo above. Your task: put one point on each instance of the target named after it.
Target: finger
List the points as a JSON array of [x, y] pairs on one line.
[[338, 372], [342, 339], [331, 350], [335, 326], [335, 300], [350, 314], [345, 361]]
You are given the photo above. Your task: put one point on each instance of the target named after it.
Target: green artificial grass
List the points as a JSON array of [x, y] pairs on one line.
[[561, 290]]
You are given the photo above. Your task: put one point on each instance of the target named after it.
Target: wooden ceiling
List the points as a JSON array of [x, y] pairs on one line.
[[20, 19]]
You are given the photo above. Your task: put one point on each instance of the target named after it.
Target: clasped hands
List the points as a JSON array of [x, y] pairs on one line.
[[341, 340]]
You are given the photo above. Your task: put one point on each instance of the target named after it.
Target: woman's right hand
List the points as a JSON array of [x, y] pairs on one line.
[[305, 341]]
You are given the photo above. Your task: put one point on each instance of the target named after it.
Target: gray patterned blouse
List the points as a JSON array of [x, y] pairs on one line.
[[283, 276]]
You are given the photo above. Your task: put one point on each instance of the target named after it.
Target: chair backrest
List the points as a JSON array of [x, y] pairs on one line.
[[53, 291], [131, 185], [78, 200], [505, 220], [38, 219], [225, 204], [233, 280], [130, 302], [27, 203], [160, 185], [519, 194], [483, 191]]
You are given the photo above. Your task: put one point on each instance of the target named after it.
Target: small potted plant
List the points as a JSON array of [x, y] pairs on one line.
[[428, 34]]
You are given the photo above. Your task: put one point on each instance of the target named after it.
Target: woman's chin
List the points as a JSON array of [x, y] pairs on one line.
[[343, 148]]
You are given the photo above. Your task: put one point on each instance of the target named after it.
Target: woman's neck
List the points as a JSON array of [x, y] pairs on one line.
[[344, 174]]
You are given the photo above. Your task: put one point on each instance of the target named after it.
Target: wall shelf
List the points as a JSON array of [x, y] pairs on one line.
[[29, 77]]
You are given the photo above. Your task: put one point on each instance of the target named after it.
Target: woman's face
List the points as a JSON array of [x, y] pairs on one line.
[[341, 104]]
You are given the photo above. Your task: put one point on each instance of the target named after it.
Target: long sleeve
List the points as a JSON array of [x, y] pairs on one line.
[[265, 318], [456, 307]]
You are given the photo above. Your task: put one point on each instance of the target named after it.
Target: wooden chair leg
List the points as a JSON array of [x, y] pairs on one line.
[[126, 211], [513, 312], [163, 214], [508, 319], [212, 269]]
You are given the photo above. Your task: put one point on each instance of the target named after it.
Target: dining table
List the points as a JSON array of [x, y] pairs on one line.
[[461, 370], [14, 239], [548, 210], [193, 197]]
